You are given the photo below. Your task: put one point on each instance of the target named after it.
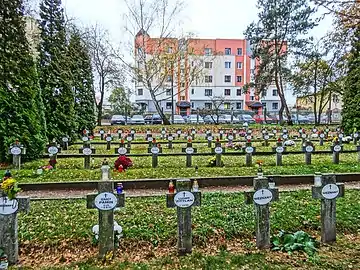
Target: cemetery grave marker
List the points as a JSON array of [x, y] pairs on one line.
[[336, 148], [120, 133], [102, 132], [249, 150], [218, 150], [129, 138], [221, 134], [87, 151], [53, 149], [355, 137], [262, 195], [183, 200], [170, 140], [308, 148], [16, 150], [163, 133], [209, 140], [178, 132], [279, 149], [327, 190], [193, 133], [65, 142], [155, 149], [132, 134], [105, 201], [321, 136], [9, 224], [122, 150], [108, 141], [189, 150]]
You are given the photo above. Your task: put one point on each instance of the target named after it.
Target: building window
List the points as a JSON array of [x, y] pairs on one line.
[[208, 79], [182, 84], [227, 51], [169, 78], [227, 64], [252, 97], [227, 106], [182, 98], [238, 78], [275, 93], [208, 106], [192, 105], [208, 64], [264, 93], [208, 92], [238, 92], [208, 51], [168, 105], [192, 91], [182, 71], [275, 106], [227, 78], [168, 92], [140, 92], [239, 65], [239, 51], [238, 105], [227, 92]]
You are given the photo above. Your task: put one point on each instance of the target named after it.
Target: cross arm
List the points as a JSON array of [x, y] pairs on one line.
[[170, 199], [90, 200], [183, 150], [317, 191]]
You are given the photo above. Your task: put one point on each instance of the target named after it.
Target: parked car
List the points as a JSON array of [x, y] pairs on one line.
[[259, 119], [300, 119], [192, 119], [153, 119], [246, 118], [210, 119], [178, 119], [226, 119], [117, 120], [137, 120]]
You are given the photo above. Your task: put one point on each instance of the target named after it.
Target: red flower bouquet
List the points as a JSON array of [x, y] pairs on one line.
[[122, 163]]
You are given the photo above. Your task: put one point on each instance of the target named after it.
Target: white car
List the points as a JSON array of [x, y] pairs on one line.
[[193, 119], [178, 119], [137, 120]]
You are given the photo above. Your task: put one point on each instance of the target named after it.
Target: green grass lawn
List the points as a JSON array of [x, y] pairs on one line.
[[223, 234]]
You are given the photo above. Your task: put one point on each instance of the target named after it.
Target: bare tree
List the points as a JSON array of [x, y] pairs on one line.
[[107, 70], [170, 57]]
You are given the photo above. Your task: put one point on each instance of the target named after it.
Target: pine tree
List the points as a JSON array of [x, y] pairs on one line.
[[351, 98], [20, 98], [82, 83], [54, 71]]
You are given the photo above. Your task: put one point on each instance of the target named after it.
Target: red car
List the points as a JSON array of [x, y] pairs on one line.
[[259, 119]]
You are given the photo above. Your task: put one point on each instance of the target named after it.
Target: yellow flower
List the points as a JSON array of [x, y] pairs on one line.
[[8, 184]]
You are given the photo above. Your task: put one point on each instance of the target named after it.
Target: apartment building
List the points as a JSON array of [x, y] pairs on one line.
[[221, 67]]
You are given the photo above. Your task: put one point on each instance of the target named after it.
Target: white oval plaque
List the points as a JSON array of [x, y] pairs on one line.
[[322, 135], [122, 151], [85, 138], [8, 207], [218, 150], [184, 199], [163, 132], [87, 151], [221, 132], [285, 136], [309, 148], [155, 150], [356, 135], [193, 132], [341, 135], [170, 138], [210, 138], [132, 131], [178, 132], [330, 191], [102, 132], [65, 139], [249, 149], [337, 148], [149, 139], [230, 137], [248, 137], [303, 136], [108, 139], [53, 150], [266, 137], [262, 196], [129, 138], [15, 150], [105, 201], [119, 131], [189, 150], [148, 132], [279, 149], [314, 130]]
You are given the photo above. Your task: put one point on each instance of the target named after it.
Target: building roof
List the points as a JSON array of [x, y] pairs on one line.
[[142, 32]]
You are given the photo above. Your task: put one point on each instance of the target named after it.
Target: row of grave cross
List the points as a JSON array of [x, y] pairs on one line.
[[183, 199]]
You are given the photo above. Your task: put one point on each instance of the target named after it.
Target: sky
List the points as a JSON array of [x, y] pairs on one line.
[[204, 18]]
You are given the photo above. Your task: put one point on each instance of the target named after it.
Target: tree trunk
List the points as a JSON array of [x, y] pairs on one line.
[[158, 109], [284, 106]]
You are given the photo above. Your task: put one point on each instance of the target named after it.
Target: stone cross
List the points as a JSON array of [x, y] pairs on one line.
[[221, 132], [108, 141], [120, 133], [249, 150], [155, 149], [209, 138], [129, 138], [336, 148], [122, 150], [321, 136], [16, 150], [218, 150], [355, 137], [328, 191], [178, 132], [189, 150], [261, 197], [105, 201], [279, 149], [149, 139], [9, 224], [53, 149], [230, 137], [132, 133], [266, 137], [170, 140], [193, 133], [65, 142], [102, 132], [308, 148], [163, 133], [183, 200], [87, 151]]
